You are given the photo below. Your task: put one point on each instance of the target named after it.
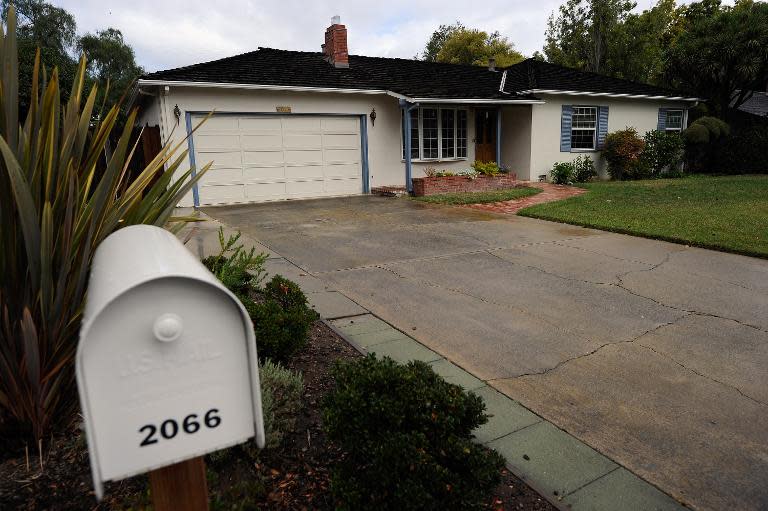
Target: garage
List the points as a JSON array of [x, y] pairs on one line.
[[258, 158]]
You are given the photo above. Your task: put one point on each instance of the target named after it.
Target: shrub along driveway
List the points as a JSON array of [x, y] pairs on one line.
[[654, 354]]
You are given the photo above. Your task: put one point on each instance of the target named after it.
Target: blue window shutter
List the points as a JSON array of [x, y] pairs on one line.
[[565, 129], [662, 124], [602, 126]]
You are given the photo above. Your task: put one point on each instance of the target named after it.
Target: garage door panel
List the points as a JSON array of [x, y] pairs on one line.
[[303, 124], [305, 172], [261, 158], [297, 157], [344, 170], [303, 141], [217, 123], [344, 141], [264, 158], [342, 186], [341, 125], [222, 176], [269, 141], [265, 191], [222, 194], [263, 173], [217, 142], [257, 124], [341, 155]]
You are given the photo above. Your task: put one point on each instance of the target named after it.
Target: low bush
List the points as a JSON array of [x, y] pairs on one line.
[[583, 169], [622, 152], [663, 152], [407, 437], [489, 168], [704, 140], [562, 173], [238, 269], [281, 391], [279, 310]]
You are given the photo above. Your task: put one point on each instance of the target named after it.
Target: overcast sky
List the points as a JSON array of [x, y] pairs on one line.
[[167, 33]]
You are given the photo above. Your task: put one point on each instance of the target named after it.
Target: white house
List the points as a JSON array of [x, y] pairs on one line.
[[290, 125]]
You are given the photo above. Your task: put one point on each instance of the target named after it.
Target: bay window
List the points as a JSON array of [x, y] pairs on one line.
[[438, 133]]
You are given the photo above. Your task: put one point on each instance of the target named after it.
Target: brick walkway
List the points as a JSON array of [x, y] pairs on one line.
[[549, 193]]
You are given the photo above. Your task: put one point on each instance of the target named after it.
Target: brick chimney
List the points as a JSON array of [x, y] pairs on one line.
[[335, 47]]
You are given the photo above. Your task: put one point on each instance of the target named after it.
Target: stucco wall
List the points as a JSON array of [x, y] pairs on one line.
[[516, 139], [386, 166], [642, 114]]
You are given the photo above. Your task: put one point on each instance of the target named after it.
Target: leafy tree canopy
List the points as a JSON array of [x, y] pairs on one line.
[[475, 47], [436, 42], [110, 61]]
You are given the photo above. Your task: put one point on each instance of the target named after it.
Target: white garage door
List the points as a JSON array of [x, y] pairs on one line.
[[263, 158]]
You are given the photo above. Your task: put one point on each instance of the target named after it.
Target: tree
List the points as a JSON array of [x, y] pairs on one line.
[[110, 62], [54, 31], [475, 47], [583, 32], [722, 53], [436, 42]]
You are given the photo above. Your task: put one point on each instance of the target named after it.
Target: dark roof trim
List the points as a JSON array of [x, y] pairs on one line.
[[607, 94]]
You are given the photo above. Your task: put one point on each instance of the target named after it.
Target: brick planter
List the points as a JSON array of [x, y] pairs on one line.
[[452, 184]]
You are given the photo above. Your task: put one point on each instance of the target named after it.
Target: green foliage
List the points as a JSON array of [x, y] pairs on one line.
[[281, 318], [583, 169], [56, 206], [622, 153], [407, 437], [238, 269], [725, 213], [436, 42], [721, 52], [486, 168], [696, 134], [744, 152], [562, 173], [663, 151], [281, 391], [704, 140], [475, 47]]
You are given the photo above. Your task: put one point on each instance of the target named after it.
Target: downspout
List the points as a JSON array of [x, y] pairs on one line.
[[407, 142]]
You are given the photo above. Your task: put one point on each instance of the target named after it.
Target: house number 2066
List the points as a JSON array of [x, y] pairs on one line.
[[169, 428]]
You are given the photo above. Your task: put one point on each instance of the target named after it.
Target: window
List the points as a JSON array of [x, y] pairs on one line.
[[429, 133], [438, 133], [461, 134], [674, 121], [583, 127], [448, 133]]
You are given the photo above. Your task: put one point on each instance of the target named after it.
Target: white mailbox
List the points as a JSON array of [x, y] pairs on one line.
[[166, 364]]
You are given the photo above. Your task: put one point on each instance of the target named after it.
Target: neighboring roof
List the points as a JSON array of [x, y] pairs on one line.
[[413, 79], [535, 76], [756, 105]]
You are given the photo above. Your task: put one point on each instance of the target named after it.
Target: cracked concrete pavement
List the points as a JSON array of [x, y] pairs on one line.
[[654, 354]]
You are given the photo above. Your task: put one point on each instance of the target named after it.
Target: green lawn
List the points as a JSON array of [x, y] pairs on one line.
[[479, 197], [725, 213]]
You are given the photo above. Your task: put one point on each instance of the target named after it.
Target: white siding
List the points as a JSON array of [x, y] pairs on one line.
[[516, 139], [642, 114]]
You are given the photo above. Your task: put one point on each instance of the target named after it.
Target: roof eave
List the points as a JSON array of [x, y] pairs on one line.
[[609, 95], [225, 85]]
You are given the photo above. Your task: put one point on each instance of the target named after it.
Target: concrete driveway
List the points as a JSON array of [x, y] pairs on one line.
[[655, 354]]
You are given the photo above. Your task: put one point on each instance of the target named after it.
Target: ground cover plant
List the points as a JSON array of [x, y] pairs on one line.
[[479, 197], [725, 213]]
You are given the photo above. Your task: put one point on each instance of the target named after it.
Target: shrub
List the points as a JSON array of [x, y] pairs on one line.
[[622, 152], [239, 270], [663, 151], [745, 151], [281, 391], [583, 169], [61, 194], [562, 173], [407, 437], [487, 168], [281, 319], [704, 140]]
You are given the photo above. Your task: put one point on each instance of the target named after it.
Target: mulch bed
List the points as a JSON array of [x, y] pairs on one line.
[[295, 477]]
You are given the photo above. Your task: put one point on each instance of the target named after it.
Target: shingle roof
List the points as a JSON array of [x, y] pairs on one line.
[[756, 105], [412, 78], [533, 74]]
